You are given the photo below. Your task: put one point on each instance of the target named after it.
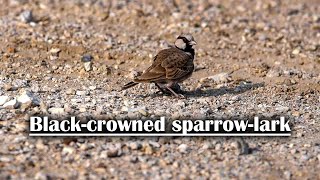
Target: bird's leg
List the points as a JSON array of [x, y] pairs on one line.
[[172, 91], [160, 88]]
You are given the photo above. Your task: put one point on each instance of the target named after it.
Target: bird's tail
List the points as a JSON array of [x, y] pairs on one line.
[[129, 85]]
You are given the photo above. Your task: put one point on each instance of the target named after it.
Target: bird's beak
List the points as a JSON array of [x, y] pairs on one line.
[[192, 43]]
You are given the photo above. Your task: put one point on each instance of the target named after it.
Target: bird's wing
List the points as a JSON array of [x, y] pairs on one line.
[[178, 65], [155, 72], [168, 64]]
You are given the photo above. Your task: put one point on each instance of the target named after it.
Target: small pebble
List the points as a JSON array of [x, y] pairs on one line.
[[3, 99], [113, 153], [296, 52], [183, 148], [70, 91], [26, 16], [12, 104], [56, 111], [86, 58]]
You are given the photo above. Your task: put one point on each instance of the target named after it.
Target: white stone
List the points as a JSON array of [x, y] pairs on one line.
[[218, 78], [55, 50], [13, 104], [125, 109], [81, 93], [27, 97], [92, 87], [70, 91], [282, 109], [24, 98], [67, 150], [296, 52], [56, 111], [183, 148], [82, 109], [3, 99], [87, 66]]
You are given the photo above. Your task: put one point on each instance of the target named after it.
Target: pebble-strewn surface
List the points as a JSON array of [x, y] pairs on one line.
[[72, 57]]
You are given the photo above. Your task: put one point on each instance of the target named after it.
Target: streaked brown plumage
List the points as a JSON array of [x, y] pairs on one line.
[[170, 66]]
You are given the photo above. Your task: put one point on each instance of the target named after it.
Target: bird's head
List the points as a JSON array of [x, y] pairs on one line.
[[185, 41]]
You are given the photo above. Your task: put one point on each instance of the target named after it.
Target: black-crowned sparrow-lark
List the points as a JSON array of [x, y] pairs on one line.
[[170, 66]]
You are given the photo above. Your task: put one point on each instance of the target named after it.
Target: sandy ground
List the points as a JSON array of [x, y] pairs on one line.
[[252, 58]]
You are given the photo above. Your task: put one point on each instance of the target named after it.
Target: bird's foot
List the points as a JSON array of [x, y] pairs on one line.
[[180, 96], [165, 93]]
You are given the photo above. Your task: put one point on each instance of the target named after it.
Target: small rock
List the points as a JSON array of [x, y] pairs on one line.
[[287, 174], [55, 110], [25, 106], [3, 99], [103, 154], [134, 74], [218, 79], [43, 108], [40, 145], [207, 146], [68, 108], [26, 16], [9, 87], [134, 159], [263, 37], [13, 104], [87, 62], [143, 112], [296, 51], [316, 18], [6, 159], [81, 93], [135, 146], [218, 147], [154, 144], [113, 153], [87, 66], [41, 176], [67, 150], [27, 97], [148, 150], [70, 91], [283, 148], [180, 103], [183, 148], [293, 151], [242, 146], [273, 73], [311, 47], [282, 109], [11, 50], [304, 157], [82, 109], [293, 12], [92, 87], [86, 58], [54, 51]]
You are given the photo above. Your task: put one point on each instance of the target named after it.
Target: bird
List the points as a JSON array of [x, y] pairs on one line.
[[170, 66]]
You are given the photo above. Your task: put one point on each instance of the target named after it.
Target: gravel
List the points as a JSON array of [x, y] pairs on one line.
[[72, 57]]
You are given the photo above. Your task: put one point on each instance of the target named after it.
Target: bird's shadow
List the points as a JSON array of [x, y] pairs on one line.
[[241, 88]]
